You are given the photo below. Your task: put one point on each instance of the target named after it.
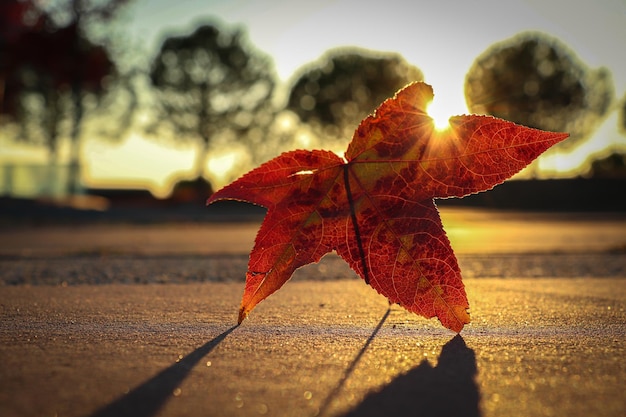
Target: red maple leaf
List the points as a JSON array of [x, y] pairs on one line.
[[375, 208]]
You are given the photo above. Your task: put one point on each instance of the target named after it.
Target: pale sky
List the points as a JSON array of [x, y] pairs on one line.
[[442, 38]]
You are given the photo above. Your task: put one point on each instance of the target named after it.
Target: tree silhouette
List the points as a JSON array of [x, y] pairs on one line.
[[54, 75], [611, 166], [622, 115], [335, 93], [17, 18], [534, 80], [210, 84]]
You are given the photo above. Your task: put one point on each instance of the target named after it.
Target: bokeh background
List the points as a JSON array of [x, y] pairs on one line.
[[138, 101]]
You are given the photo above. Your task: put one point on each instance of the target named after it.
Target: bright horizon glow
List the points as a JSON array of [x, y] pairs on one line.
[[129, 164], [556, 163], [221, 167]]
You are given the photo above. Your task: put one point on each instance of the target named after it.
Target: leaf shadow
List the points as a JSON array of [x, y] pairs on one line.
[[447, 390], [335, 392], [148, 398]]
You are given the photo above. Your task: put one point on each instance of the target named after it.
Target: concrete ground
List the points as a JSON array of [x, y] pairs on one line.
[[122, 321]]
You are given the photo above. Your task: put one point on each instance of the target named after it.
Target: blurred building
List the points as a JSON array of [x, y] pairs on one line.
[[35, 180]]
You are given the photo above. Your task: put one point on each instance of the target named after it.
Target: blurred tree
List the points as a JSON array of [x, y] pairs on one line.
[[533, 79], [86, 66], [211, 84], [55, 74], [611, 166], [622, 115], [18, 18], [335, 93]]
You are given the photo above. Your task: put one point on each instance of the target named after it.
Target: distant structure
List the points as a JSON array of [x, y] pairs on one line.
[[35, 180], [185, 193], [613, 166]]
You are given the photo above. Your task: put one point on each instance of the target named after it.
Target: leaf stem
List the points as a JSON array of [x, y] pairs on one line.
[[357, 233]]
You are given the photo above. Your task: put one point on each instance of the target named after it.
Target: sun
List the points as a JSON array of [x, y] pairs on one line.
[[439, 114]]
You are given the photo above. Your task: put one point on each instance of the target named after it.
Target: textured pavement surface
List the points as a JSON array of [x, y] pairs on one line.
[[127, 320], [536, 347]]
